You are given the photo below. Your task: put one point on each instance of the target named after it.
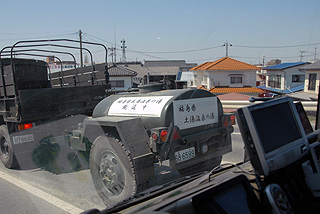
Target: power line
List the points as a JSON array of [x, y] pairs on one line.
[[147, 53], [90, 37], [162, 52], [99, 38], [38, 37], [127, 49], [282, 46], [182, 51]]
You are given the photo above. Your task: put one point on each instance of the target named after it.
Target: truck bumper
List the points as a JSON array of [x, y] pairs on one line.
[[207, 146]]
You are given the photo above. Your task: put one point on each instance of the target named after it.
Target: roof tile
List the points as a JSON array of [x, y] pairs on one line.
[[121, 71], [225, 63], [224, 90]]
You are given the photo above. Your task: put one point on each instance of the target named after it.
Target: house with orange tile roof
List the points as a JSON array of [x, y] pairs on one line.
[[226, 75], [225, 72]]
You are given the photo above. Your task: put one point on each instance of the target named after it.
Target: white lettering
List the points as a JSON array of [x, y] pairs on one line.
[[23, 139]]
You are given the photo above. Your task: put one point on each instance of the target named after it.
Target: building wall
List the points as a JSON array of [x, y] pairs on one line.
[[197, 78], [222, 78], [126, 80], [306, 82], [286, 77], [268, 77]]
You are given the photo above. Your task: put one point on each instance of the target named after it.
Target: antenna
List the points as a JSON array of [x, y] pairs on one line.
[[80, 39], [115, 42]]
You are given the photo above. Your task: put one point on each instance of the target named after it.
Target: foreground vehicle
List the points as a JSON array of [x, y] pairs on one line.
[[281, 177], [128, 133]]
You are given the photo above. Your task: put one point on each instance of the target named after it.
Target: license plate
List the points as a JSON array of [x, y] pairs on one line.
[[185, 154]]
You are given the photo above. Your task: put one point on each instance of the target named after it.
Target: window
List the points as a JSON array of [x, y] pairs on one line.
[[205, 79], [274, 81], [312, 82], [236, 80], [117, 83], [297, 78]]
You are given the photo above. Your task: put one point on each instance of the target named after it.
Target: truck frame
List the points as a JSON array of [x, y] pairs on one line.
[[28, 98]]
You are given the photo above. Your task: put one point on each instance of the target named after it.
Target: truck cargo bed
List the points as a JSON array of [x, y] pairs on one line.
[[59, 102]]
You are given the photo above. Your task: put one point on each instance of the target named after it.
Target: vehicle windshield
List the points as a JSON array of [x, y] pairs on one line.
[[143, 97]]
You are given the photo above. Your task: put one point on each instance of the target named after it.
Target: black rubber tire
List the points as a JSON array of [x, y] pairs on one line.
[[6, 152], [200, 167], [112, 170]]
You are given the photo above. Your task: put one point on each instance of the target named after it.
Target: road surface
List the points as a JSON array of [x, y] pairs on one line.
[[53, 191]]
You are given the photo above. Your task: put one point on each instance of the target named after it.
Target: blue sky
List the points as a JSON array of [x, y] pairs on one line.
[[193, 30]]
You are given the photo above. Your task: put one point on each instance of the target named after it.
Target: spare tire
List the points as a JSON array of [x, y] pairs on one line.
[[112, 170]]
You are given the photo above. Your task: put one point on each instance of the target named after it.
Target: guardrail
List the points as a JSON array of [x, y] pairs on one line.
[[228, 104]]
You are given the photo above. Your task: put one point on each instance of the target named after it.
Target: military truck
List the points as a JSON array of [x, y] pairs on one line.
[[129, 133], [27, 100]]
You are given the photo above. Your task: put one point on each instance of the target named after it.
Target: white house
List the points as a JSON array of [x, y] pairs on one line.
[[285, 76], [225, 72], [312, 77], [120, 78]]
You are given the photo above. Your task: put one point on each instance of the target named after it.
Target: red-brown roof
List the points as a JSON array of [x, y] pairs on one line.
[[234, 96], [225, 63], [225, 90]]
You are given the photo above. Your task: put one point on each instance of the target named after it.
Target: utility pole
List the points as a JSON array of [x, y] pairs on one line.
[[80, 39], [315, 54], [301, 55], [112, 54], [124, 60], [227, 47]]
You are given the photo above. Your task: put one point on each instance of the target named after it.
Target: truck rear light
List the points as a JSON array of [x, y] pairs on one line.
[[175, 134], [163, 135], [225, 122], [24, 126], [228, 120], [154, 137], [232, 119]]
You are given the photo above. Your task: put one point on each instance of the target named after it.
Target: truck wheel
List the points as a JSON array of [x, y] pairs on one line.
[[200, 167], [112, 170], [6, 153]]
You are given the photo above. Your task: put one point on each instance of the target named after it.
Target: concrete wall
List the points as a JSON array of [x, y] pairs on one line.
[[223, 78]]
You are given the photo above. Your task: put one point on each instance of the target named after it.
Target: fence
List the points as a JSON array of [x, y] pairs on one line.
[[228, 104]]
